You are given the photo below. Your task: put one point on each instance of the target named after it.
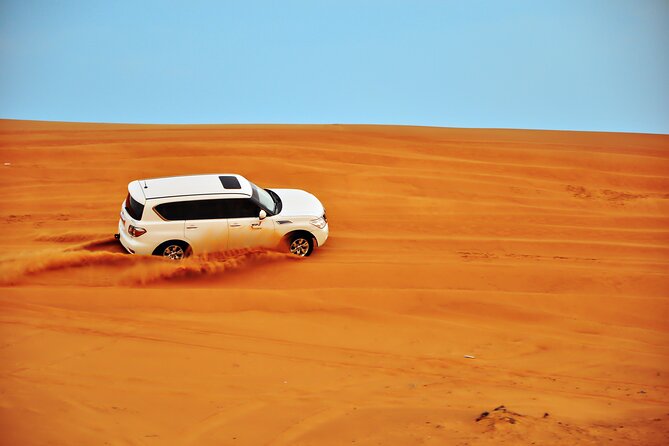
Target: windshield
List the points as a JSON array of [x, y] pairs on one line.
[[264, 198]]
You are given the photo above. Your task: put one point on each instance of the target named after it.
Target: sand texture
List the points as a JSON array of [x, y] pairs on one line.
[[543, 256]]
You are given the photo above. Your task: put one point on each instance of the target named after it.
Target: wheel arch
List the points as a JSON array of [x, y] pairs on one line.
[[299, 232]]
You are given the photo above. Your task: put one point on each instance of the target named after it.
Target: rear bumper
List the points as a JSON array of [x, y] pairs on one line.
[[120, 237]]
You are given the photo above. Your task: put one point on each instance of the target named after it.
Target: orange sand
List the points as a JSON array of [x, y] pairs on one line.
[[542, 254]]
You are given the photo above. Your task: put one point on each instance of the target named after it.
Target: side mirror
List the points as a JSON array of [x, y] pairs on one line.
[[262, 215]]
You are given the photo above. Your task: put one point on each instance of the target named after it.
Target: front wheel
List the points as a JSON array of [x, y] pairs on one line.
[[301, 246]]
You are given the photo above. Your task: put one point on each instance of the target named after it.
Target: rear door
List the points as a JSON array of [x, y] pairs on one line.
[[246, 230], [205, 229]]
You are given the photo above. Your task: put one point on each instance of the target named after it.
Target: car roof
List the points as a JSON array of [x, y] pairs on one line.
[[189, 185]]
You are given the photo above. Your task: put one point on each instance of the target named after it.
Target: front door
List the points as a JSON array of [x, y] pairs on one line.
[[250, 232], [246, 230]]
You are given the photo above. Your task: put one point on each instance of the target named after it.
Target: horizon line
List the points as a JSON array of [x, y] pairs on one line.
[[203, 124]]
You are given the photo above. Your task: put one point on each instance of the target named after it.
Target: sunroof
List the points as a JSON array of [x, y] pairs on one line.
[[230, 182]]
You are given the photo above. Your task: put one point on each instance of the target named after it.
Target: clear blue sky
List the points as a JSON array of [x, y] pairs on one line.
[[562, 64]]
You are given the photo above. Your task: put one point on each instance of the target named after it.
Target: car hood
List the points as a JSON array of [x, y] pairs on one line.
[[297, 203]]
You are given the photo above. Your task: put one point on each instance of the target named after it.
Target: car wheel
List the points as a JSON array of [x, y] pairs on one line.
[[301, 245], [174, 250]]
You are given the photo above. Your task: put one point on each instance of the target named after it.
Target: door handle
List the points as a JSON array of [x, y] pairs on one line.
[[255, 226], [234, 225], [191, 227]]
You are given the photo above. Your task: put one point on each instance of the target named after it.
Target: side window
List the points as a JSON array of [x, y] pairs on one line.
[[203, 210], [239, 208], [190, 210], [173, 211], [208, 209]]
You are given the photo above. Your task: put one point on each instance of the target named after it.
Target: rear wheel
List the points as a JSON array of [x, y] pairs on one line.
[[173, 250], [301, 245]]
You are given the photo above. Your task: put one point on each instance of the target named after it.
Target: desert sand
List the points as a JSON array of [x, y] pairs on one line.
[[465, 270]]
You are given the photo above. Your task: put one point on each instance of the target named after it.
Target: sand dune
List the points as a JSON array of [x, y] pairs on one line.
[[543, 255]]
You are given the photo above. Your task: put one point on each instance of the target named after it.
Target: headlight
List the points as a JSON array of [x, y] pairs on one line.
[[319, 222]]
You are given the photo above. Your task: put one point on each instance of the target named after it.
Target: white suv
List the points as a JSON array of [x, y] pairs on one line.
[[178, 216]]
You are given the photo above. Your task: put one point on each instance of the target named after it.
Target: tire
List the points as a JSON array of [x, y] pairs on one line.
[[301, 245], [173, 250]]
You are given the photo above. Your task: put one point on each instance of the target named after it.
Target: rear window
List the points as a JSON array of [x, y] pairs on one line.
[[208, 209], [133, 207]]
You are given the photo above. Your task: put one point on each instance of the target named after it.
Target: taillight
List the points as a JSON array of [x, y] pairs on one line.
[[136, 231]]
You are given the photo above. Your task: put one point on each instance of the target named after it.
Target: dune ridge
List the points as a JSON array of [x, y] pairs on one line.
[[467, 270]]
